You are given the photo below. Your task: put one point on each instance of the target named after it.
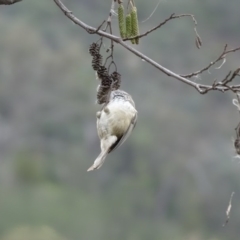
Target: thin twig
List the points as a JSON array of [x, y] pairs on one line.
[[221, 56], [98, 28], [154, 10], [172, 16], [109, 25]]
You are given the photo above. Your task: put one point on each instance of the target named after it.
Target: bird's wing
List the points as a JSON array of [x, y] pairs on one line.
[[122, 139]]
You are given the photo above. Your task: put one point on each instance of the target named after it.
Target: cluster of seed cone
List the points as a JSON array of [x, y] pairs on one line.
[[94, 51], [128, 26], [104, 87], [116, 80], [107, 82]]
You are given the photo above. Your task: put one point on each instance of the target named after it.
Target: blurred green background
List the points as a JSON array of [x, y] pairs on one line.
[[173, 177]]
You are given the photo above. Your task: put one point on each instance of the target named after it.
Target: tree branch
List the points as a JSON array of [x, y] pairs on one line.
[[201, 88], [221, 57], [172, 16], [9, 2]]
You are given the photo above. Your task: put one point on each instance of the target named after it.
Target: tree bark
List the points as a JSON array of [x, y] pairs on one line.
[[9, 2]]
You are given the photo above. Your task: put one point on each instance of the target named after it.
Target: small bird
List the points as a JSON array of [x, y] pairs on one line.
[[115, 123]]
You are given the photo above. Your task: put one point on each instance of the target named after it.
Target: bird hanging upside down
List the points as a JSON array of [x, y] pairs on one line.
[[115, 123]]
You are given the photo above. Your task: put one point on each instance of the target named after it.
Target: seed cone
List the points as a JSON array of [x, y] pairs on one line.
[[102, 72], [97, 61], [116, 77], [102, 94], [94, 49], [237, 145], [105, 87]]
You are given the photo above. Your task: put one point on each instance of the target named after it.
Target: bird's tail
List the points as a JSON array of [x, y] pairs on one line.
[[99, 161]]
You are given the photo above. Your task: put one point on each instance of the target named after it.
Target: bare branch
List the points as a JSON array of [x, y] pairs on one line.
[[9, 2], [224, 83], [201, 88], [221, 57], [172, 16], [88, 28], [109, 25]]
